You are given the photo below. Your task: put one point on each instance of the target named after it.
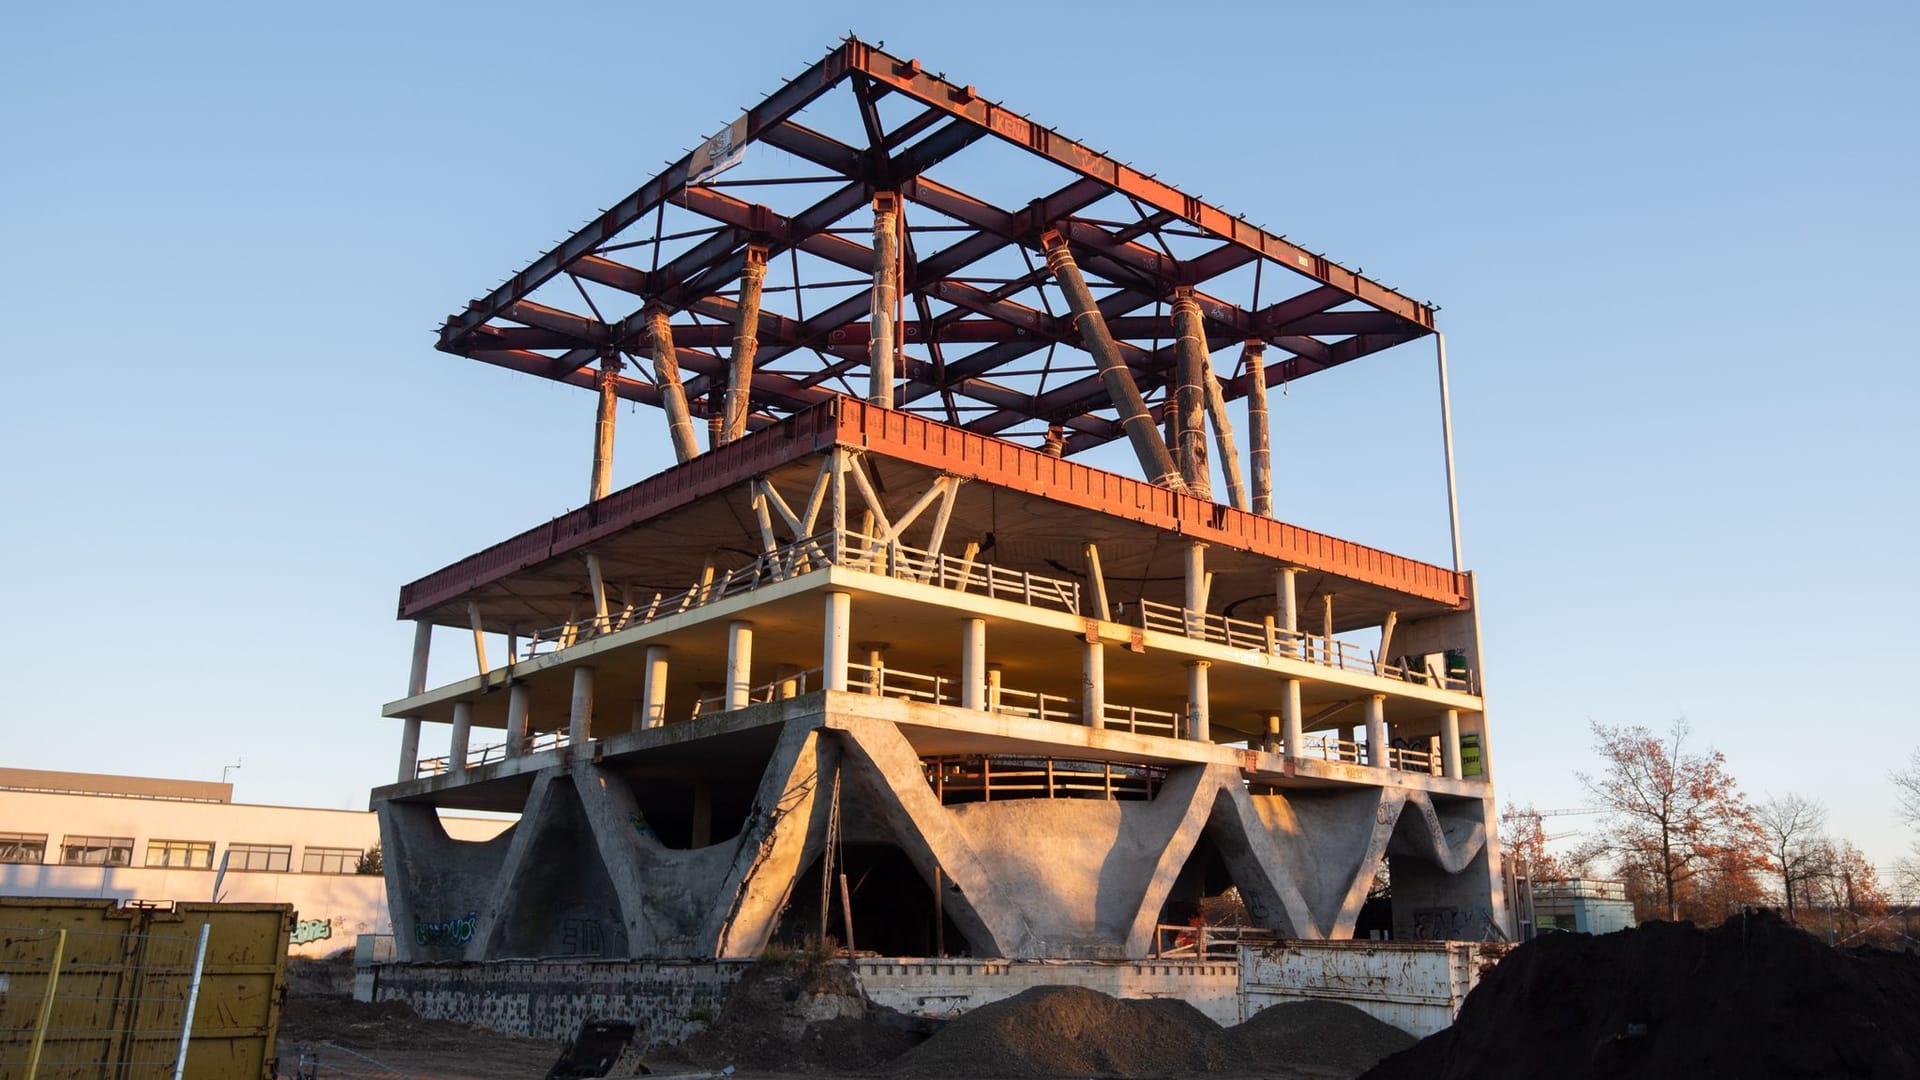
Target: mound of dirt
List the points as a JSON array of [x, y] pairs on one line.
[[799, 1017], [1752, 997], [1313, 1034], [1066, 1031]]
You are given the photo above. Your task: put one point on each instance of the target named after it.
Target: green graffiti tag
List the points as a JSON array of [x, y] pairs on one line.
[[311, 930]]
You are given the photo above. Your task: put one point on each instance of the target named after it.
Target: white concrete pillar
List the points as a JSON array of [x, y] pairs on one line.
[[1093, 684], [1292, 729], [580, 710], [1196, 598], [1287, 606], [519, 703], [461, 736], [1275, 735], [1199, 726], [973, 664], [1450, 744], [993, 687], [653, 691], [1377, 731], [422, 644], [789, 687], [739, 663], [409, 748], [839, 625]]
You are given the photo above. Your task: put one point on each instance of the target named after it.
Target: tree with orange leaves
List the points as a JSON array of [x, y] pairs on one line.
[[1675, 820], [1523, 841]]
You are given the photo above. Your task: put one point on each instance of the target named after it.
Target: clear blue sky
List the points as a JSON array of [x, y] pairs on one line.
[[1673, 246]]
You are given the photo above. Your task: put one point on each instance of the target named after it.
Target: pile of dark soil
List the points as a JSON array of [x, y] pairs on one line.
[[347, 1035], [807, 1016], [1307, 1034], [1066, 1031], [1752, 997]]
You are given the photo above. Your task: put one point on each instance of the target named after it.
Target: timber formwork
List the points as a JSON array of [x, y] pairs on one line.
[[879, 661]]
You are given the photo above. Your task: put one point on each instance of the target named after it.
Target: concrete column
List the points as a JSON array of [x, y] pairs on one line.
[[608, 383], [789, 685], [1093, 684], [993, 687], [1292, 729], [479, 636], [1199, 726], [1274, 734], [422, 645], [519, 701], [673, 395], [462, 735], [409, 748], [1155, 460], [1287, 600], [874, 655], [653, 691], [580, 711], [1259, 457], [973, 664], [702, 815], [739, 663], [886, 298], [1196, 596], [1377, 731], [839, 624], [1190, 347], [1450, 744], [746, 342]]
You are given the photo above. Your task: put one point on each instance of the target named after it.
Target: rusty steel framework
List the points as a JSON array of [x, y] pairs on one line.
[[732, 265]]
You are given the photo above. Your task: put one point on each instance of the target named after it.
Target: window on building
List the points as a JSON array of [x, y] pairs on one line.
[[330, 860], [194, 854], [96, 851], [20, 847], [259, 857]]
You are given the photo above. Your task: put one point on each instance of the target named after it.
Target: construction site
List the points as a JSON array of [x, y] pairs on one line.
[[876, 660]]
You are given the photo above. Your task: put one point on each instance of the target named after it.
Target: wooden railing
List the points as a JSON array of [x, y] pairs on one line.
[[983, 778], [1273, 640]]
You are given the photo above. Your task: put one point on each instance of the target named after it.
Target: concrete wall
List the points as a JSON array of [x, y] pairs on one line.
[[945, 988], [667, 1000], [332, 908]]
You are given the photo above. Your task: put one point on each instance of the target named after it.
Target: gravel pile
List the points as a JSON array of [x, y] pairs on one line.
[[1066, 1031], [1753, 997]]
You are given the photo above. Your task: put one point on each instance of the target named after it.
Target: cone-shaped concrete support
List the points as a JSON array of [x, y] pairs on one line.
[[1155, 461], [746, 342], [673, 396]]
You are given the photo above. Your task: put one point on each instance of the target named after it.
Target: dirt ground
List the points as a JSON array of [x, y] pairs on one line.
[[810, 1022]]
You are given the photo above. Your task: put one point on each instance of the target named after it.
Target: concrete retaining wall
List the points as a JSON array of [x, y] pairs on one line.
[[944, 988], [547, 999]]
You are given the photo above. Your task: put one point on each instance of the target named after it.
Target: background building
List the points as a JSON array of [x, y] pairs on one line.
[[147, 839]]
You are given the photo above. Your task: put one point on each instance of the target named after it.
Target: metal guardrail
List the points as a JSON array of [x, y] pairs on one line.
[[1272, 640], [982, 777]]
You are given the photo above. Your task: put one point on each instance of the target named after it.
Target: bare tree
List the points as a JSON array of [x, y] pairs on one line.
[[1675, 819], [1793, 825], [1906, 786]]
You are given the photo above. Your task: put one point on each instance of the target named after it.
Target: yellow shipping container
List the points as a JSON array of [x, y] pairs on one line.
[[121, 981]]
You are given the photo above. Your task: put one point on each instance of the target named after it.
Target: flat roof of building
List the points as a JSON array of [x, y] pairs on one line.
[[132, 787]]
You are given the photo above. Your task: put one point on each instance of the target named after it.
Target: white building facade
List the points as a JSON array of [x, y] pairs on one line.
[[151, 840]]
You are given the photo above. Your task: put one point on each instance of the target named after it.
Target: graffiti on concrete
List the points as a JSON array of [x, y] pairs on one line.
[[582, 937], [312, 930], [456, 931]]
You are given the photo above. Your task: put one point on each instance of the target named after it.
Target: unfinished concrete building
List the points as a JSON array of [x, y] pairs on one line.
[[875, 658]]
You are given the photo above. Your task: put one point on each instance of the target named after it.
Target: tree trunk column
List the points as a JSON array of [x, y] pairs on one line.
[[1093, 683], [1259, 457], [580, 710], [973, 664], [460, 738], [519, 704], [739, 663], [1450, 744], [746, 342], [608, 383], [881, 347], [673, 395], [653, 690], [409, 749], [837, 631], [1199, 715], [1155, 460], [1292, 729], [1190, 346]]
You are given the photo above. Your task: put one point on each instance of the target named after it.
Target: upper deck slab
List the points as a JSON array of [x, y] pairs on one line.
[[1022, 493]]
